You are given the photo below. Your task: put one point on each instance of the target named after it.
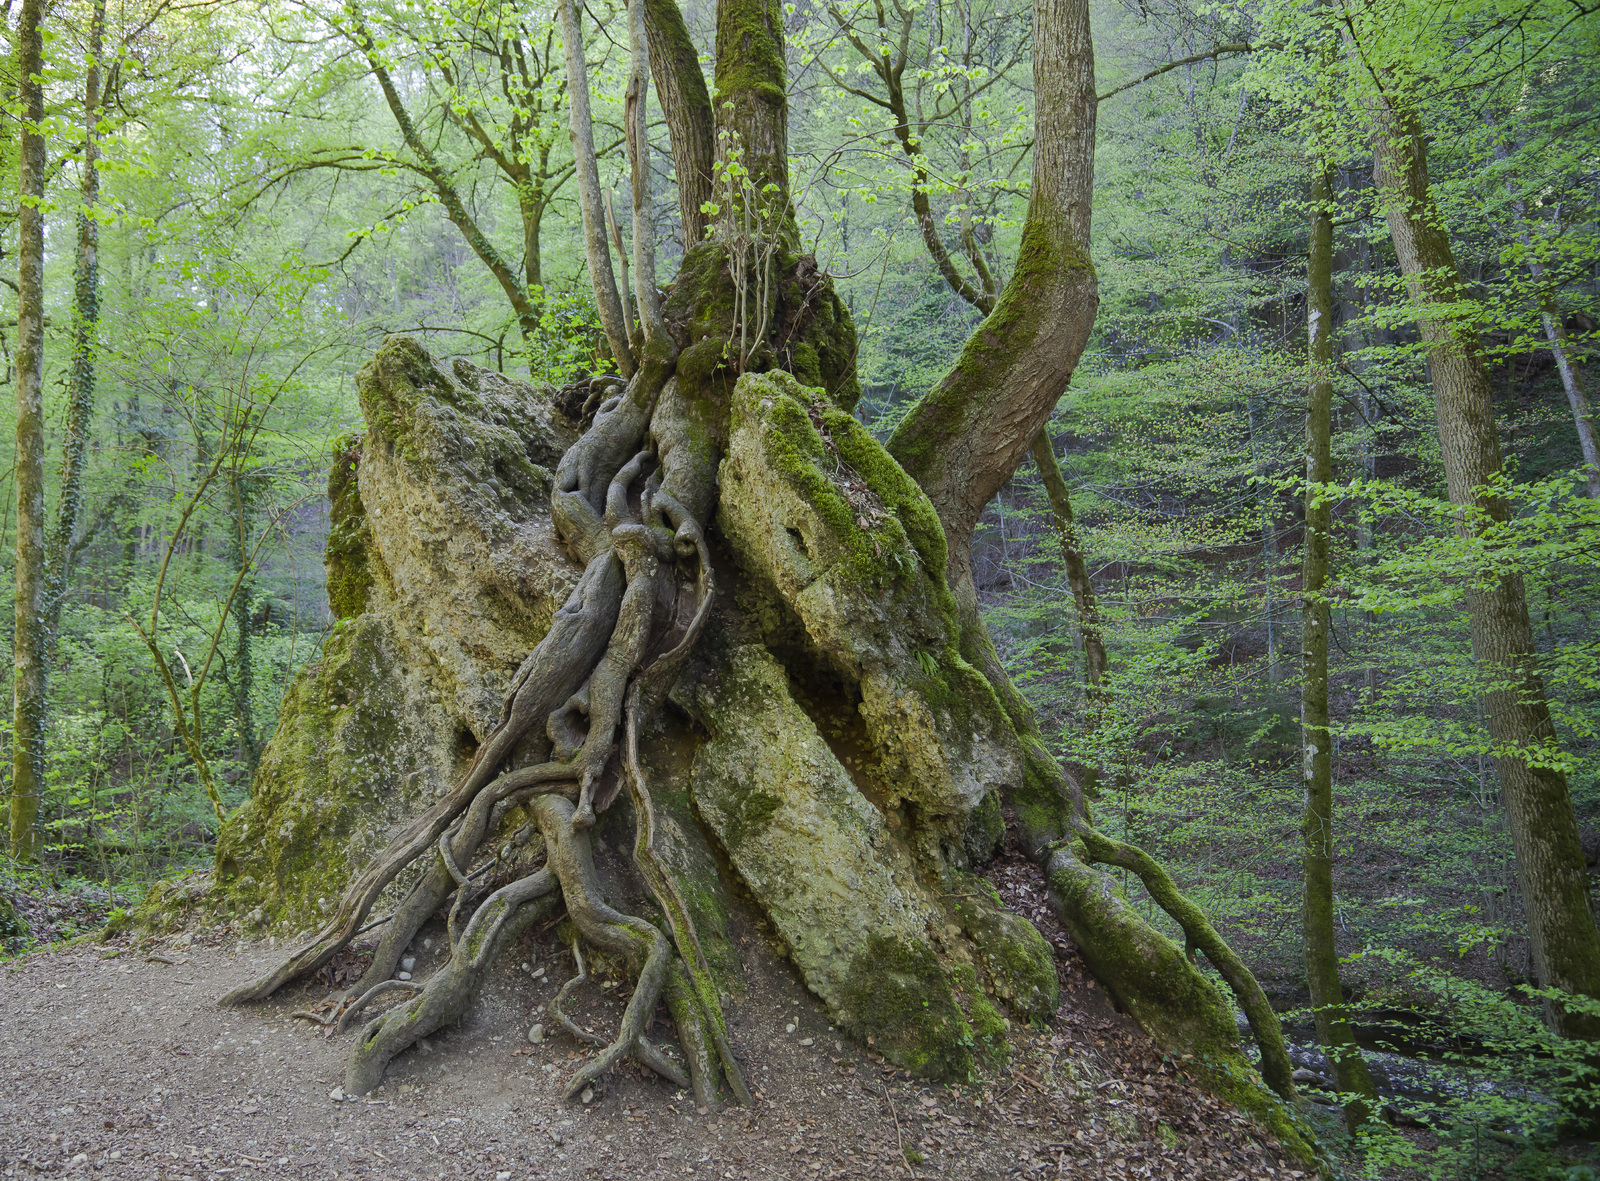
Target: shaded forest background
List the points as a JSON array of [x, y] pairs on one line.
[[269, 208]]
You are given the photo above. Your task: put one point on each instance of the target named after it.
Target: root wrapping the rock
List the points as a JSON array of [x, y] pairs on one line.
[[620, 508]]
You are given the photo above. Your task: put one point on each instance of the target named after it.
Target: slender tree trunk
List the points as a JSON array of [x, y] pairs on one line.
[[681, 87], [1544, 831], [647, 296], [30, 675], [85, 338], [1094, 649], [607, 299], [1572, 382], [511, 285], [1316, 738], [1555, 333]]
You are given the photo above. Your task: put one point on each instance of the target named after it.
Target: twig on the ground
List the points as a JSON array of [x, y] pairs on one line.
[[898, 1139]]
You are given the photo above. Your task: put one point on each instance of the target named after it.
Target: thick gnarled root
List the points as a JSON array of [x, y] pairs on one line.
[[631, 516], [504, 915], [641, 946], [1200, 935]]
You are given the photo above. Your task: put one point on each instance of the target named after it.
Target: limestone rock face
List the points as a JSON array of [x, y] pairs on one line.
[[455, 485], [826, 736], [849, 547], [444, 571], [820, 857]]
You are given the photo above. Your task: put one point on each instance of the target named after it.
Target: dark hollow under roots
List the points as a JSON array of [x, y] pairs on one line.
[[628, 502]]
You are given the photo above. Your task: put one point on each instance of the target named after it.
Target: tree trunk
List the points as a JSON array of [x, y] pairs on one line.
[[85, 340], [1316, 737], [1550, 862], [30, 677], [675, 66], [613, 317], [1094, 649], [961, 443], [1572, 383], [752, 106]]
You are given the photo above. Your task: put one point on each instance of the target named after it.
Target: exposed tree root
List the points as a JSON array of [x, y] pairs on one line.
[[578, 981], [610, 656], [648, 1054], [641, 946], [372, 994], [504, 915], [1200, 934]]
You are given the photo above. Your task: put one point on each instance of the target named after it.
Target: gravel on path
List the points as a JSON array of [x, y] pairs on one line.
[[116, 1062]]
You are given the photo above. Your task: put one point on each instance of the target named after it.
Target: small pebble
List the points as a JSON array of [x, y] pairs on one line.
[[337, 1094], [536, 1034], [789, 1028], [402, 975], [409, 962], [502, 1176], [587, 1096], [805, 1041]]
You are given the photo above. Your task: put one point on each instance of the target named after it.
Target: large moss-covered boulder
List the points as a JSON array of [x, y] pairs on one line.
[[843, 543], [832, 757], [443, 571]]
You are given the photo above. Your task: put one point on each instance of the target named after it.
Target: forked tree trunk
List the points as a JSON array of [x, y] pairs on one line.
[[1316, 738], [825, 609], [30, 676], [1544, 831], [961, 443]]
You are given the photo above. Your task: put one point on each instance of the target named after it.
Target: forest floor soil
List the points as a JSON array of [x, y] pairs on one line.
[[115, 1061]]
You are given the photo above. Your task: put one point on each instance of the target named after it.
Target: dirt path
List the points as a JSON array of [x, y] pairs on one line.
[[124, 1067]]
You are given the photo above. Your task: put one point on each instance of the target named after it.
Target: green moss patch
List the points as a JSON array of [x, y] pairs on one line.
[[897, 997]]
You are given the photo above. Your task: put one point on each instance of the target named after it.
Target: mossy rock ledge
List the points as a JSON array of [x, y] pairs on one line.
[[828, 758]]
